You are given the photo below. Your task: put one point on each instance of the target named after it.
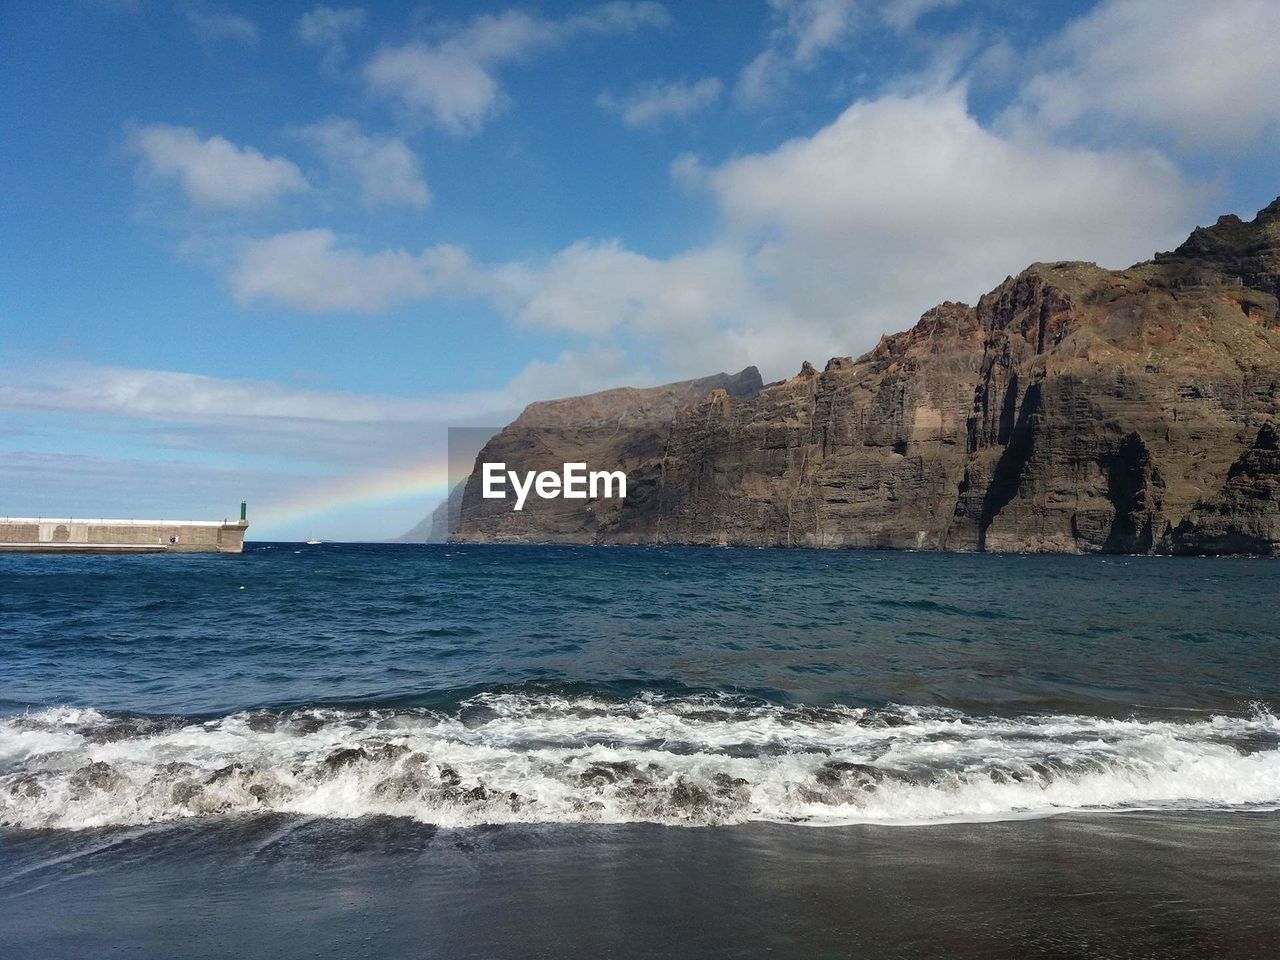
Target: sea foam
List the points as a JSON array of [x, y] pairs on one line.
[[706, 760]]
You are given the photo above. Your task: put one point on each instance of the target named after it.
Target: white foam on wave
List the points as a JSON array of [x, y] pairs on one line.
[[506, 758]]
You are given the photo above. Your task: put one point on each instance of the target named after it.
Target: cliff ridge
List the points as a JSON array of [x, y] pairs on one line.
[[1071, 409]]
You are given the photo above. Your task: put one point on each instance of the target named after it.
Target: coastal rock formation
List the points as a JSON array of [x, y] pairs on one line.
[[1073, 409], [624, 429], [436, 526]]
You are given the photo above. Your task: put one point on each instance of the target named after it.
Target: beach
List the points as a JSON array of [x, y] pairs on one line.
[[1132, 886], [425, 751]]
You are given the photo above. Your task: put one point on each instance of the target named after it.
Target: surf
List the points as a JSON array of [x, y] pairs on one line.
[[703, 760]]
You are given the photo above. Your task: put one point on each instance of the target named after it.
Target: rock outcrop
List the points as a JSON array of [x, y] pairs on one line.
[[624, 429], [1073, 409], [436, 526]]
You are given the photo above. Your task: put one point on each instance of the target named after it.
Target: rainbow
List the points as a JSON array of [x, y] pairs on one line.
[[425, 481]]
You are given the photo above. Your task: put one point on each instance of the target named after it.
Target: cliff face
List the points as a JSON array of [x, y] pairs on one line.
[[1073, 409], [436, 526], [625, 429]]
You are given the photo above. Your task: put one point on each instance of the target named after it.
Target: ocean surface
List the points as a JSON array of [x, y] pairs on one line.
[[441, 751]]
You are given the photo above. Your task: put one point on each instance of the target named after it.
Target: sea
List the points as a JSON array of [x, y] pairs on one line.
[[487, 752]]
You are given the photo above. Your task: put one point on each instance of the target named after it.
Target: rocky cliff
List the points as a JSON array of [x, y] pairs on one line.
[[625, 429], [436, 526], [1072, 409]]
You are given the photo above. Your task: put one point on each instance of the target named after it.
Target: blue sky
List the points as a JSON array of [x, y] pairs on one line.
[[274, 250]]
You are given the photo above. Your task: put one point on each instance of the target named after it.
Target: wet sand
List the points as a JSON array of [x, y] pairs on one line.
[[1123, 886]]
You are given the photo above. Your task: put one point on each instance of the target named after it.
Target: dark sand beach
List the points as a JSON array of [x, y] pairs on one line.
[[425, 752]]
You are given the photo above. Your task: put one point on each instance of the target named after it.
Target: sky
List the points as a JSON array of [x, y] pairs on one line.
[[273, 251]]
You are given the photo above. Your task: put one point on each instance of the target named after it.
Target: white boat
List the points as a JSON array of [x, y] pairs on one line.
[[313, 543]]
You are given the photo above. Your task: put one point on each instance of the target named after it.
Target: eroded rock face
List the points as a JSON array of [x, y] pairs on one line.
[[625, 429], [436, 526], [1073, 409]]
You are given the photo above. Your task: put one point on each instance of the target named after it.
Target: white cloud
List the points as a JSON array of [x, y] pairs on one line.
[[242, 406], [328, 29], [173, 396], [815, 26], [453, 91], [211, 25], [309, 270], [649, 105], [163, 411], [388, 171], [451, 83], [598, 288], [804, 30], [904, 201], [687, 171], [170, 410], [589, 288], [215, 172], [574, 372], [903, 14], [827, 242], [1205, 72]]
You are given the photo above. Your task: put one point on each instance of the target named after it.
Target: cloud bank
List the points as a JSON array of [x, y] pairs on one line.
[[1206, 73], [825, 242]]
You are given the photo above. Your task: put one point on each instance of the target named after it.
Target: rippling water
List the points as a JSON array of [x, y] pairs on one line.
[[608, 689]]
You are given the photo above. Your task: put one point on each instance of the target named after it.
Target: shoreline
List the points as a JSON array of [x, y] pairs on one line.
[[1115, 886]]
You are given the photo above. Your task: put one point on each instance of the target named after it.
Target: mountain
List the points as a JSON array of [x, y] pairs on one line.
[[623, 429], [436, 526], [1072, 409]]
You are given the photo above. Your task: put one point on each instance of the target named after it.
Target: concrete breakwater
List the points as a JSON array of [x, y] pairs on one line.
[[71, 535]]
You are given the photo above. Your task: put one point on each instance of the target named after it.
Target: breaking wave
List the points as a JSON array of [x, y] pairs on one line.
[[503, 758]]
